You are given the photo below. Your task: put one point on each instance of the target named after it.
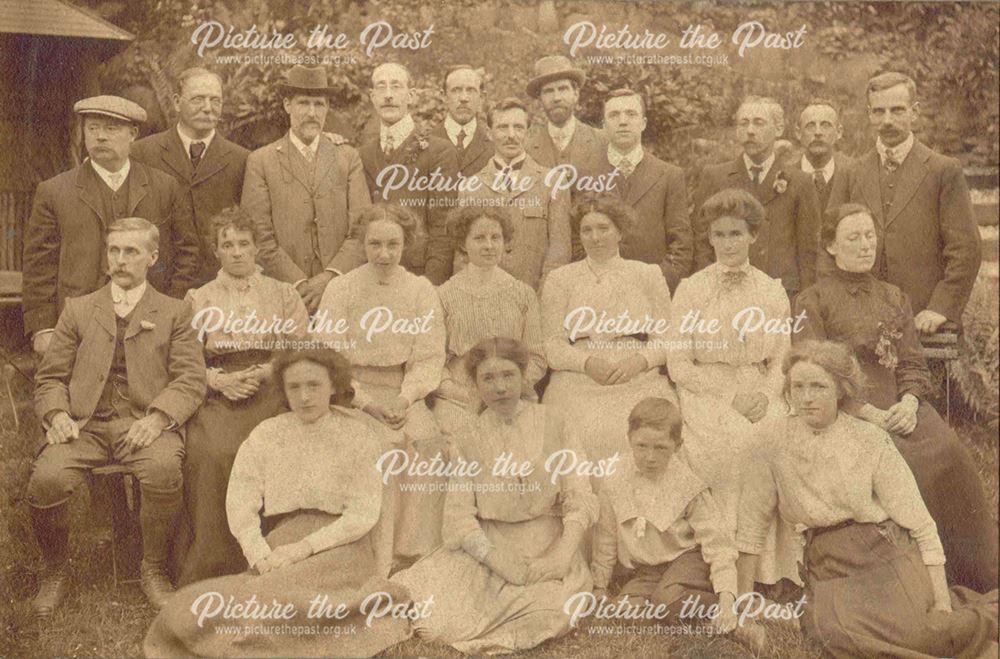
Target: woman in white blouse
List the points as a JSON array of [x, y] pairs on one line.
[[727, 366], [241, 316], [604, 320], [511, 557], [483, 300], [303, 499], [873, 565], [389, 323]]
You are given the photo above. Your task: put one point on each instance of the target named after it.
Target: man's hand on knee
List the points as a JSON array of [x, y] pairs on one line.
[[142, 433], [62, 428]]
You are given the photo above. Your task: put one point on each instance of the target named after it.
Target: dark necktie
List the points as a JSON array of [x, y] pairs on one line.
[[756, 172], [819, 181], [197, 149], [460, 138]]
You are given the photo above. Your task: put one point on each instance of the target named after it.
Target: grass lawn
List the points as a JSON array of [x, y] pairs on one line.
[[99, 619]]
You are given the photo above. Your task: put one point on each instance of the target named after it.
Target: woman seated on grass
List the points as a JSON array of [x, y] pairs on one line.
[[660, 520], [304, 496], [873, 565]]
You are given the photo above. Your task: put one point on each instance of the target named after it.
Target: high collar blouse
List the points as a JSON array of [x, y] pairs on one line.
[[287, 465], [874, 317], [849, 470], [396, 323], [618, 288], [275, 304], [709, 296], [534, 435]]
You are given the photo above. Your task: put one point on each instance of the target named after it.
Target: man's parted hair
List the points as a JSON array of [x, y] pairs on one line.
[[889, 79], [137, 224], [509, 103], [623, 92], [406, 70], [462, 67], [194, 72], [820, 101], [775, 110]]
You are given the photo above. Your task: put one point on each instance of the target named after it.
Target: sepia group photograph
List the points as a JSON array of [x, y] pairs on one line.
[[538, 328]]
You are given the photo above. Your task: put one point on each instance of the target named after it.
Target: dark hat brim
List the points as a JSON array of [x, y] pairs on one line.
[[535, 84]]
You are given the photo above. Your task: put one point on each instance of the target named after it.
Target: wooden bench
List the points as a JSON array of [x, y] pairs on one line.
[[943, 346]]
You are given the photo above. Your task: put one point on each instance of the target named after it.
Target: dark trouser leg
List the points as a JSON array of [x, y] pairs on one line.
[[686, 589], [51, 526]]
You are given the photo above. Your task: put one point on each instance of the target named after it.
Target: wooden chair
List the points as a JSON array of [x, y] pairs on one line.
[[943, 346], [122, 490]]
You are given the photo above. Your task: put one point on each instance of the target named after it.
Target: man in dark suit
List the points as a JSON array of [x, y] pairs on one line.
[[64, 250], [928, 243], [563, 139], [818, 132], [302, 190], [208, 167], [122, 374], [463, 95], [401, 164], [788, 240], [654, 188]]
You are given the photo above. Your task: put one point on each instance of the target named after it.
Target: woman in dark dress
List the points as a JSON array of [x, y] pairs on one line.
[[240, 394], [875, 319]]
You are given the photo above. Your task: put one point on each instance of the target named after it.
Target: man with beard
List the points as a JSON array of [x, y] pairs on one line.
[[788, 240], [404, 155], [563, 139], [512, 179], [654, 188], [928, 242], [64, 249], [303, 189], [208, 167], [463, 96]]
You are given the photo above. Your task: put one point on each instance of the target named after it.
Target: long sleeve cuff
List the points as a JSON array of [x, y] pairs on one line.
[[724, 579], [477, 545], [601, 574], [254, 547]]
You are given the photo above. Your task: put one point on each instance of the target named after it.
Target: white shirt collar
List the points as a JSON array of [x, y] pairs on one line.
[[302, 146], [109, 177], [399, 131], [900, 151], [634, 156], [565, 132], [452, 127], [131, 298], [186, 141], [827, 169], [765, 166], [503, 163]]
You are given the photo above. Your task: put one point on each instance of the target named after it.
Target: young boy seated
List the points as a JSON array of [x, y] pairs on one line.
[[660, 520]]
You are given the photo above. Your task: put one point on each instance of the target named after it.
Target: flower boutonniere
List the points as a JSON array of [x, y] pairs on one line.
[[885, 345], [780, 182], [420, 144], [147, 325]]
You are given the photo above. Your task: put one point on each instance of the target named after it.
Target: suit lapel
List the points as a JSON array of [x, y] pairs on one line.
[[532, 169], [212, 161], [289, 163], [911, 172], [87, 181], [104, 312], [173, 156], [325, 157], [766, 190], [476, 147], [145, 310], [642, 179], [543, 146], [138, 185], [868, 174]]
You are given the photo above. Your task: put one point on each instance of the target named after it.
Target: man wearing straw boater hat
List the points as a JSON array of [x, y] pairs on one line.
[[563, 139], [302, 190], [64, 248]]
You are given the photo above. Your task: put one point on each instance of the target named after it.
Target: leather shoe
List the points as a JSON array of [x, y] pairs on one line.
[[155, 584], [51, 593]]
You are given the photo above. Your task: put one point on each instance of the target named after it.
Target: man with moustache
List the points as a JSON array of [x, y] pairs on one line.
[[788, 240], [303, 189], [463, 96], [654, 188], [818, 132], [124, 371], [928, 242], [512, 179], [64, 249], [208, 167], [563, 139], [402, 151]]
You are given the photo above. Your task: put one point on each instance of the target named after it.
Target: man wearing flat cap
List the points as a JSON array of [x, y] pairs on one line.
[[64, 245], [563, 139], [303, 189], [208, 167]]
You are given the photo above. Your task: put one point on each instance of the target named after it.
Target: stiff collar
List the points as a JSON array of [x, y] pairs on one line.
[[187, 141], [899, 152], [109, 177], [399, 131], [499, 162], [634, 156], [125, 300], [303, 147], [827, 169], [565, 132], [765, 166], [452, 127]]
